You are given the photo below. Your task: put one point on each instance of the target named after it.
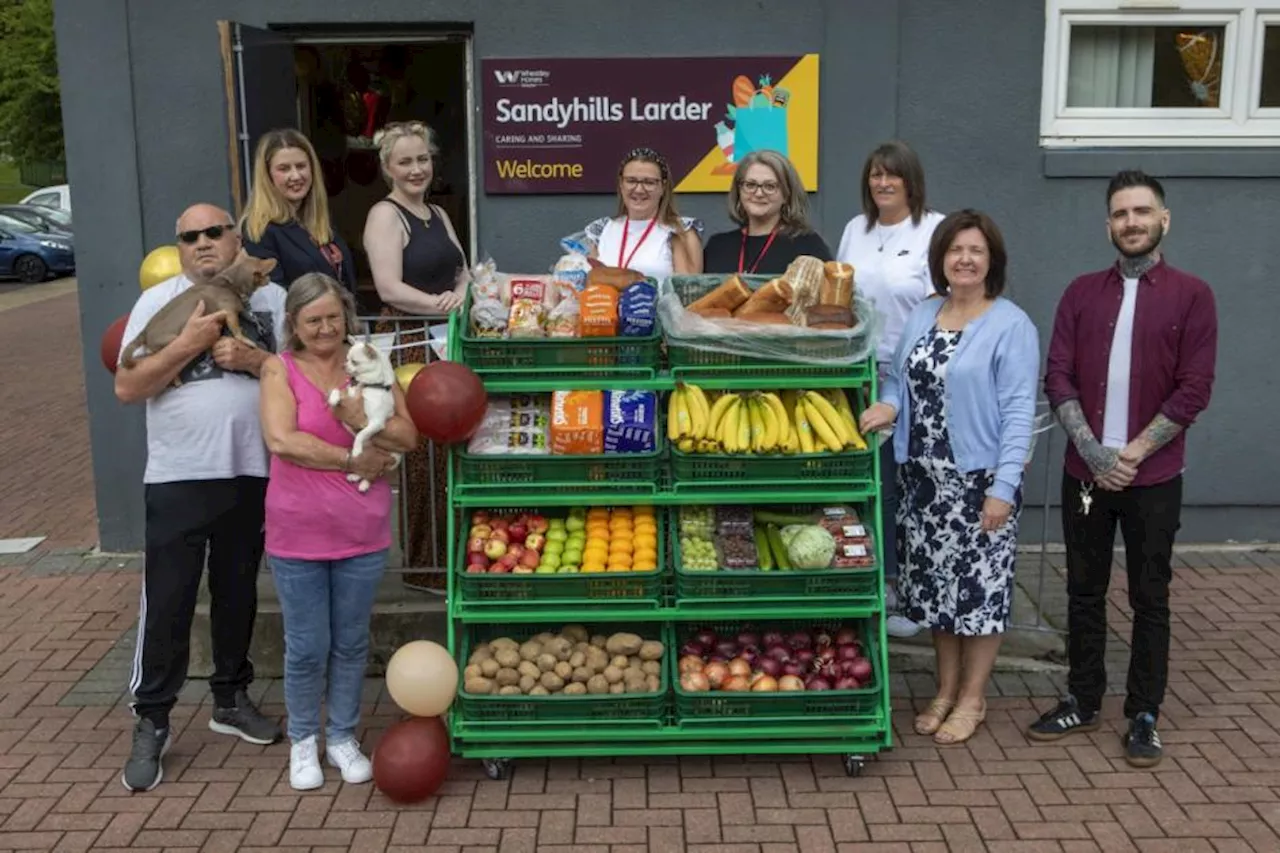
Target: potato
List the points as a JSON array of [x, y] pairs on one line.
[[472, 671], [575, 689], [546, 662], [583, 674], [613, 674], [481, 654], [551, 681], [539, 690], [530, 650], [623, 643], [597, 660], [581, 647], [634, 661], [599, 641], [529, 669], [503, 643], [508, 658], [543, 638], [480, 686], [620, 661], [563, 670], [635, 685], [558, 646], [577, 659], [653, 683], [575, 633], [597, 684], [510, 690], [507, 676], [651, 650], [527, 683], [489, 667], [633, 672], [617, 688], [651, 667]]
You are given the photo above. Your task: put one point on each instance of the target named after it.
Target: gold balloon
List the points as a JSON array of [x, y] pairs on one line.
[[422, 678], [159, 265], [406, 372]]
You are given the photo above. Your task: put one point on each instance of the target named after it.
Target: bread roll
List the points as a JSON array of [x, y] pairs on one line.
[[729, 296]]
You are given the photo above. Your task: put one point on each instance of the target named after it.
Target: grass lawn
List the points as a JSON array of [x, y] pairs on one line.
[[11, 190]]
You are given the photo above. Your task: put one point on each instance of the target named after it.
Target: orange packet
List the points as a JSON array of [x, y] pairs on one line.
[[577, 423], [598, 311]]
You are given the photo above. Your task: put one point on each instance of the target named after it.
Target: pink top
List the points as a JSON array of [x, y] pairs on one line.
[[318, 515]]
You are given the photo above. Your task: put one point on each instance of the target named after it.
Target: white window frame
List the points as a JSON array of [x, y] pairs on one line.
[[1238, 121]]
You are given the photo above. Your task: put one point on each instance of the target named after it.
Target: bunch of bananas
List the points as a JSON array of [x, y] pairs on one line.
[[761, 422]]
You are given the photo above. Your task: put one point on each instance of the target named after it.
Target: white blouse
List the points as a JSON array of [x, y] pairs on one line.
[[651, 257]]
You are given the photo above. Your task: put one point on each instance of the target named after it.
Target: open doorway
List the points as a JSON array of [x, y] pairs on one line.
[[338, 90]]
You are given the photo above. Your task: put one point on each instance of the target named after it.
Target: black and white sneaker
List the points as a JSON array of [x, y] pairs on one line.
[[1063, 720], [245, 721], [1141, 743], [143, 770]]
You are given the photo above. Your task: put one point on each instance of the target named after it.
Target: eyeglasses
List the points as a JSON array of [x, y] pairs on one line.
[[753, 187], [647, 183], [213, 232]]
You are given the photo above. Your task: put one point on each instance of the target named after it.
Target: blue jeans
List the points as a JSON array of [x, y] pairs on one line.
[[889, 510], [326, 605]]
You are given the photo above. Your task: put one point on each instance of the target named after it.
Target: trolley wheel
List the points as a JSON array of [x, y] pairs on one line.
[[854, 764], [497, 768]]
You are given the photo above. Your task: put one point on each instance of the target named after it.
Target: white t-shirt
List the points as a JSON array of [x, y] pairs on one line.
[[891, 268], [1115, 413], [209, 427], [652, 257]]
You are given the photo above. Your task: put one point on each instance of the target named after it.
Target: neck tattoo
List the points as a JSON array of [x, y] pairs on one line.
[[1135, 267]]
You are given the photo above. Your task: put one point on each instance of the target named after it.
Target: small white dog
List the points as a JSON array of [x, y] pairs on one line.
[[371, 376]]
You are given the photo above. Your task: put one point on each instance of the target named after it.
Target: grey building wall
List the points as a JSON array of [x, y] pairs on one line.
[[146, 135]]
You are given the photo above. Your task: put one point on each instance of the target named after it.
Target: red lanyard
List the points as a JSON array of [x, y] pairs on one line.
[[626, 228], [742, 252]]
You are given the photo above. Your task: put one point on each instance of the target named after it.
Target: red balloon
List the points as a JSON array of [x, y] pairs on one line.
[[446, 401], [112, 340], [412, 759]]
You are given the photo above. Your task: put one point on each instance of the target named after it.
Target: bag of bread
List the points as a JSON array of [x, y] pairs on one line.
[[528, 311], [806, 275], [616, 277], [577, 423], [638, 310], [598, 310], [837, 284], [564, 319]]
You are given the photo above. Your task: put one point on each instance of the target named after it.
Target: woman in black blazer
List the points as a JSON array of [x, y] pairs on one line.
[[288, 215]]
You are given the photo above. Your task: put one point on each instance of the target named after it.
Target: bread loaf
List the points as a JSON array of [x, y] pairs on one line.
[[773, 296], [774, 318], [829, 314], [805, 274], [729, 296], [837, 285], [714, 313], [616, 277]]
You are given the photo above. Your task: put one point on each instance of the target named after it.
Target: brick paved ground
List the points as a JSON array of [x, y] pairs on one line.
[[62, 619]]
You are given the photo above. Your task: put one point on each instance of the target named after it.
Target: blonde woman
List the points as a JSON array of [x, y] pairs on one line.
[[647, 234], [768, 203], [288, 215]]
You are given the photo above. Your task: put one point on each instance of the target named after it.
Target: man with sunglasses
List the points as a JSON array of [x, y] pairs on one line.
[[205, 483]]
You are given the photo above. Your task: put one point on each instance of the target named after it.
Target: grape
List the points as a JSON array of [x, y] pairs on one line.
[[698, 553]]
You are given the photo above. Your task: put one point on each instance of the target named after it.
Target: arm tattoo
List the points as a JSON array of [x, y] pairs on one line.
[[1099, 459], [1158, 433]]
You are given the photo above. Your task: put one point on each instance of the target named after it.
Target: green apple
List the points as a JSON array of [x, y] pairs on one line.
[[553, 547], [568, 569], [551, 561], [575, 523], [544, 569], [571, 555], [575, 540], [556, 535]]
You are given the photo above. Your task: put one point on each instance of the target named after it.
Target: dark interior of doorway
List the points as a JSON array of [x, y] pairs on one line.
[[347, 91]]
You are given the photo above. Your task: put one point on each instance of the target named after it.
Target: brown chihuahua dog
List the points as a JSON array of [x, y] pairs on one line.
[[229, 291]]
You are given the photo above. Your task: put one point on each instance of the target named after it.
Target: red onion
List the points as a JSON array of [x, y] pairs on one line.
[[693, 648], [846, 652], [716, 657], [821, 638], [804, 656], [705, 638], [728, 648], [817, 683], [847, 683], [750, 655], [830, 670], [845, 636], [861, 669], [772, 638], [794, 668], [748, 638], [800, 640], [845, 667], [779, 652], [770, 666], [824, 656]]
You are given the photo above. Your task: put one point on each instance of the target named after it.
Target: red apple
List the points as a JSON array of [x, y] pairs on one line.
[[477, 569], [480, 530], [477, 558], [479, 517], [499, 524], [535, 541], [500, 569], [516, 550], [537, 524], [475, 545], [522, 570], [530, 559], [509, 560], [518, 532], [500, 536], [495, 548]]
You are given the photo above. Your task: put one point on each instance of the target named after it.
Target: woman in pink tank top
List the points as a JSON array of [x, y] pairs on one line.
[[326, 542]]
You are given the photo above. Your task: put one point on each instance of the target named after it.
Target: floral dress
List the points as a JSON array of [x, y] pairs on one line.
[[955, 577]]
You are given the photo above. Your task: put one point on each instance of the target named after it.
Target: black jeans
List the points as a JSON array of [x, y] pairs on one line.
[[1149, 518], [187, 522]]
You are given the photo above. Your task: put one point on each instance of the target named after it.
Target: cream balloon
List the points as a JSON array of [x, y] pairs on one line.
[[422, 678]]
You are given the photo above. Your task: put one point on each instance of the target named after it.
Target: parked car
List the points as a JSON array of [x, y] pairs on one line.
[[52, 220], [56, 196], [28, 254]]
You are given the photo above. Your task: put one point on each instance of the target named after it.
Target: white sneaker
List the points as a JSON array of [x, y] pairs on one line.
[[901, 627], [348, 758], [890, 598], [304, 765]]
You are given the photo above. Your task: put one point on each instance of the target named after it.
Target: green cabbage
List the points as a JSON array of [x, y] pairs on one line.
[[808, 546]]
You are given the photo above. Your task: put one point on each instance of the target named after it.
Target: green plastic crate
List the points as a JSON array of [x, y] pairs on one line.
[[559, 589], [693, 470], [527, 358], [715, 707], [558, 709], [776, 585], [686, 359]]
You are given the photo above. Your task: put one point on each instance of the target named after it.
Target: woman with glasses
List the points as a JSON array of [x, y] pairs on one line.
[[769, 205], [647, 234], [287, 218]]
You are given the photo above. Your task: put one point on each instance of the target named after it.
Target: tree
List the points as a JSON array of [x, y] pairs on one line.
[[30, 101]]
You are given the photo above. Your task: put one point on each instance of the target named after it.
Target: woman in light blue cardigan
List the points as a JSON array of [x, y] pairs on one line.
[[961, 395]]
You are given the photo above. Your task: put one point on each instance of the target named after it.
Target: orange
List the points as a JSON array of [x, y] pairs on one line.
[[645, 555]]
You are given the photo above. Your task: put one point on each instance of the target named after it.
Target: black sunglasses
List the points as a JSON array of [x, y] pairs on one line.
[[213, 232]]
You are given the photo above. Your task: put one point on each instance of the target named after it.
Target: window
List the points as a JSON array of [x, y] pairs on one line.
[[1161, 73], [45, 200]]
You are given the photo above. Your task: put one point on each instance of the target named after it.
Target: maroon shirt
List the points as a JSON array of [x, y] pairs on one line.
[[1175, 341]]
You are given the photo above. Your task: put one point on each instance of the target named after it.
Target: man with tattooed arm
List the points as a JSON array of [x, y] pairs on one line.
[[1130, 366]]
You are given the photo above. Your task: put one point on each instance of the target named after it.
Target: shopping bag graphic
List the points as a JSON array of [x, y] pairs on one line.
[[761, 129]]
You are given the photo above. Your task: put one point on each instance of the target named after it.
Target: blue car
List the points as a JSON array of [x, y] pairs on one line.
[[30, 255]]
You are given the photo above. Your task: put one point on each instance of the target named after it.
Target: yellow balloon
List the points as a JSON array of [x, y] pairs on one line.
[[406, 372], [159, 265], [422, 678]]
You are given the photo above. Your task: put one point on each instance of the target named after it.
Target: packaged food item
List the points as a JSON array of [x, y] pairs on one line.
[[697, 521], [528, 311], [563, 320], [488, 318], [837, 285], [734, 519], [728, 296], [638, 310], [855, 548], [513, 425], [829, 316], [598, 310], [570, 271], [615, 277], [773, 297], [577, 423], [737, 550], [806, 274], [630, 421], [485, 282]]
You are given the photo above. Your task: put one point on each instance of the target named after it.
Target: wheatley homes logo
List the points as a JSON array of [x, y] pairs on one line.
[[524, 78]]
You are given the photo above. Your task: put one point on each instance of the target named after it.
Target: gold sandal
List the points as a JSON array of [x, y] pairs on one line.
[[931, 719], [960, 726]]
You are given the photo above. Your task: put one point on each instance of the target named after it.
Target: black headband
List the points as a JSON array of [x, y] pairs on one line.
[[649, 154]]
